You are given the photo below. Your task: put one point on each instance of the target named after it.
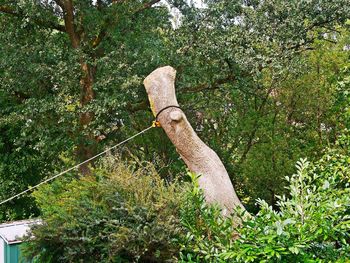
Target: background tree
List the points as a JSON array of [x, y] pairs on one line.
[[71, 72], [261, 75], [71, 84]]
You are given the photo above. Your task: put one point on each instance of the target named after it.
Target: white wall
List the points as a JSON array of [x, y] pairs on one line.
[[2, 248]]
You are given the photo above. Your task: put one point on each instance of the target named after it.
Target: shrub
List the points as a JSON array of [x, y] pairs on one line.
[[312, 224], [124, 215], [116, 215]]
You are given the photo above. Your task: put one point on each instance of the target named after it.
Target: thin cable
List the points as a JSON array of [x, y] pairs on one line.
[[74, 167]]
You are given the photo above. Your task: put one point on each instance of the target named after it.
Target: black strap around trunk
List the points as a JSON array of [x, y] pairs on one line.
[[167, 107]]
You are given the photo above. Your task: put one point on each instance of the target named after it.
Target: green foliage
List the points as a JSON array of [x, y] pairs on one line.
[[208, 233], [342, 103], [132, 215], [298, 120], [336, 161], [259, 80], [263, 83], [117, 215], [41, 85], [248, 73], [312, 224]]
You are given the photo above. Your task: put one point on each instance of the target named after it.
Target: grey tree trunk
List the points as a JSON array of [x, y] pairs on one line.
[[200, 159]]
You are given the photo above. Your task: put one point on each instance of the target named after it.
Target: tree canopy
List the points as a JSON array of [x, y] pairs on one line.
[[258, 80]]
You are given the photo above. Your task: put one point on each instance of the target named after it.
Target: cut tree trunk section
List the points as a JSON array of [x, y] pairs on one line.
[[200, 159]]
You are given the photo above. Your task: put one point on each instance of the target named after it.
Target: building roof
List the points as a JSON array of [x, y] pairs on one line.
[[12, 232]]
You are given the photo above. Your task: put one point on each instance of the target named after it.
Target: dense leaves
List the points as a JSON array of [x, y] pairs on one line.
[[264, 83], [242, 74], [118, 215], [51, 107], [312, 224]]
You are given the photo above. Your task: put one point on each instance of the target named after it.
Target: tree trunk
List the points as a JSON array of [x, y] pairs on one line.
[[200, 159], [87, 143]]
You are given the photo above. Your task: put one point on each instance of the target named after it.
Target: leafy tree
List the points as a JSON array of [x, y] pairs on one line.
[[252, 73], [71, 83], [71, 76]]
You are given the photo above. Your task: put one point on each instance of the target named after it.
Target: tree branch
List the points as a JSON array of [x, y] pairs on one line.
[[142, 105], [147, 5], [100, 36], [212, 86], [109, 21], [8, 10], [47, 24], [68, 16], [51, 25]]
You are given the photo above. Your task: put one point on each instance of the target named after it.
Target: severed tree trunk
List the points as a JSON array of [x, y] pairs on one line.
[[200, 159]]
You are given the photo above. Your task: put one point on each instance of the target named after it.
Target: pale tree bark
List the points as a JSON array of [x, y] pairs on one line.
[[200, 159]]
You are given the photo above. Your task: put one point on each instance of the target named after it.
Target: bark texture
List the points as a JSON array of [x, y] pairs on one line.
[[86, 147], [200, 159]]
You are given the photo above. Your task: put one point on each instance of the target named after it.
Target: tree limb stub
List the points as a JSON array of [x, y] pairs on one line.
[[200, 159]]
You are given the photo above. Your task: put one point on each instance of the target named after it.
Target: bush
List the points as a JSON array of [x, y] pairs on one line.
[[117, 215], [312, 225], [124, 215]]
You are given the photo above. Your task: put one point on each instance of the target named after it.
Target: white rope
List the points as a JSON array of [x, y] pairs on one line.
[[74, 167]]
